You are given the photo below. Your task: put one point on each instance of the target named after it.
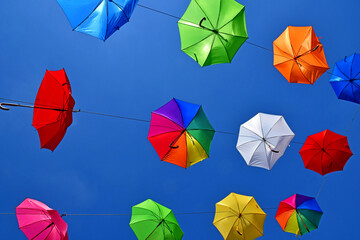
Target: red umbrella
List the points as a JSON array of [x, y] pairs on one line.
[[53, 108], [39, 222], [325, 152]]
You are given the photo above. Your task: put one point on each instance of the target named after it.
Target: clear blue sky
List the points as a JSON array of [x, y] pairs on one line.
[[106, 165]]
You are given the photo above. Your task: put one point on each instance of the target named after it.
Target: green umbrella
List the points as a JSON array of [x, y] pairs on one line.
[[152, 221], [212, 31]]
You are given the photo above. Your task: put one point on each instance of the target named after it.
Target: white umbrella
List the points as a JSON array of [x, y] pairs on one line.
[[264, 139]]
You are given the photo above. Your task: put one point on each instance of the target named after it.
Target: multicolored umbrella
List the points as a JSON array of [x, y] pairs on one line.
[[325, 152], [181, 133], [39, 222], [152, 221], [212, 31], [98, 18], [53, 108], [345, 79], [299, 55], [263, 140], [239, 217], [299, 214]]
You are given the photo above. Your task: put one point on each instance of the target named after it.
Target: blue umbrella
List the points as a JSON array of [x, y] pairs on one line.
[[345, 79], [98, 18]]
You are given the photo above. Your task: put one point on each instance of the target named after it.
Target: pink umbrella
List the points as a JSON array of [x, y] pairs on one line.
[[39, 222]]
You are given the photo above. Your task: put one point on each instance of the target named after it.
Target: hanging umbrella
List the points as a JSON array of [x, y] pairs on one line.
[[239, 217], [212, 31], [299, 214], [39, 222], [325, 152], [299, 55], [152, 221], [98, 18], [181, 133], [53, 108], [345, 78], [263, 140]]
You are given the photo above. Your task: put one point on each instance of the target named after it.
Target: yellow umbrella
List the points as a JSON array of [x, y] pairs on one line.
[[239, 217]]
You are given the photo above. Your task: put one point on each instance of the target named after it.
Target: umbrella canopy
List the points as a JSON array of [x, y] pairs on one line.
[[39, 222], [299, 214], [325, 152], [239, 217], [345, 79], [299, 55], [212, 31], [181, 133], [98, 18], [53, 108], [264, 139], [152, 221]]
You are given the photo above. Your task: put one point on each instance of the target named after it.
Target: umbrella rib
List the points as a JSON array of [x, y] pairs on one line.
[[341, 138], [256, 140], [273, 126], [204, 13], [252, 132], [305, 35], [227, 54], [290, 57], [89, 14], [211, 34], [51, 224], [128, 19], [168, 119], [52, 228], [212, 44], [253, 225], [297, 64], [344, 89], [308, 218], [147, 210], [233, 35], [243, 9], [44, 220]]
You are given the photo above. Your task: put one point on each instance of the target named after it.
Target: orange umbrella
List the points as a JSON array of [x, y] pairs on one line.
[[299, 55]]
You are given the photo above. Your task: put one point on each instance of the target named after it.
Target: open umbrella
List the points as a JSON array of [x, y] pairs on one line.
[[212, 31], [181, 133], [53, 108], [299, 214], [239, 217], [98, 18], [299, 55], [39, 222], [263, 140], [152, 221], [345, 78], [325, 152]]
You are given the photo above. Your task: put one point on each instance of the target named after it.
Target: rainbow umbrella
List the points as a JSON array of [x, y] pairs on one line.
[[181, 133], [299, 214]]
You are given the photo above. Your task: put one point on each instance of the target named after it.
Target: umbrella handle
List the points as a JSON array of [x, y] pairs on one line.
[[4, 108], [237, 230], [200, 24]]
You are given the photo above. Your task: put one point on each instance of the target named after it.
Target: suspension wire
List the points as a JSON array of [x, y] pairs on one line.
[[161, 12], [120, 214], [321, 187], [114, 116], [352, 120]]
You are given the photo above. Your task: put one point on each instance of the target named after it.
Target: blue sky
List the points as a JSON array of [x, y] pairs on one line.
[[106, 165]]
